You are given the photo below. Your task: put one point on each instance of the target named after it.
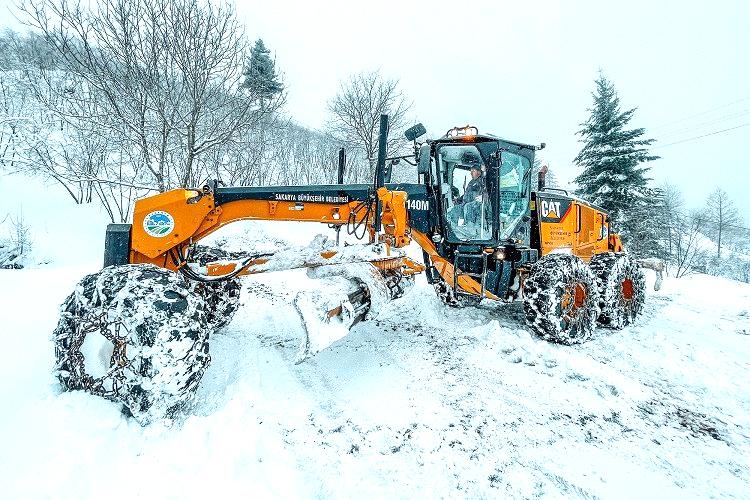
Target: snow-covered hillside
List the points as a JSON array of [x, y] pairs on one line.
[[421, 402]]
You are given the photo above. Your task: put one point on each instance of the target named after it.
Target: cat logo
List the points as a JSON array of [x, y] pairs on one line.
[[550, 209], [553, 210]]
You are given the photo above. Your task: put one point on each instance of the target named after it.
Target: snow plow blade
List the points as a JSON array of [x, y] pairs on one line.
[[327, 317], [347, 295], [353, 282]]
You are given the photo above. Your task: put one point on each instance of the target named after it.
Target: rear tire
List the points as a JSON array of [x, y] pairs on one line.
[[561, 299], [622, 288], [145, 337]]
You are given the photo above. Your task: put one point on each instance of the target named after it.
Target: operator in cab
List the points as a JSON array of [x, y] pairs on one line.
[[472, 197], [468, 207]]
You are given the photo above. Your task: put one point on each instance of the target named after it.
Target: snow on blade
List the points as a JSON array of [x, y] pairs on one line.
[[327, 314], [347, 294], [313, 255]]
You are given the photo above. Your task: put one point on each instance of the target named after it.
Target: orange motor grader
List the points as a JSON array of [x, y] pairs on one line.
[[485, 234]]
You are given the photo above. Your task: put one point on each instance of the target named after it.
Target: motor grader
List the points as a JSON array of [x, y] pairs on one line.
[[148, 314]]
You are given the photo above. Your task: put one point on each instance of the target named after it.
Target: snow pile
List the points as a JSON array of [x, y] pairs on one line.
[[11, 255]]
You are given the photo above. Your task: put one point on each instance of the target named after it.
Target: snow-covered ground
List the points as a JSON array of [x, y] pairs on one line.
[[421, 402]]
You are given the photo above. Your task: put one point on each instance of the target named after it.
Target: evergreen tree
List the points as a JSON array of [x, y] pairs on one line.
[[649, 235], [260, 73], [611, 158]]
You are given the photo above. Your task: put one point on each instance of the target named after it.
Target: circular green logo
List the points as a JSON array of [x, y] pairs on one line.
[[158, 224]]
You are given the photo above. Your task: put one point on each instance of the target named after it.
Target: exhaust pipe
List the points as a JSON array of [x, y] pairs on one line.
[[542, 178]]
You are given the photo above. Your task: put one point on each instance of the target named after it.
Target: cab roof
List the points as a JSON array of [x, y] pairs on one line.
[[468, 139]]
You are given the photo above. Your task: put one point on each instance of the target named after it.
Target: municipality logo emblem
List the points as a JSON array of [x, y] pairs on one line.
[[158, 224]]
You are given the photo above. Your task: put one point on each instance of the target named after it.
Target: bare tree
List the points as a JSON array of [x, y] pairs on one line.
[[167, 75], [688, 254], [15, 120], [355, 116], [278, 152], [20, 235], [673, 205], [722, 216]]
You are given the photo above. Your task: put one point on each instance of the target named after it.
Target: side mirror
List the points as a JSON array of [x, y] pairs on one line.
[[415, 131], [424, 159]]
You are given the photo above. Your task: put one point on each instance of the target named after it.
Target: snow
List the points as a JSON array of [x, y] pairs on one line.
[[97, 351], [61, 233], [421, 401]]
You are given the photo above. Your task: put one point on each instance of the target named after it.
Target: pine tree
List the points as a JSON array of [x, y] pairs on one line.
[[611, 157], [649, 237], [260, 73]]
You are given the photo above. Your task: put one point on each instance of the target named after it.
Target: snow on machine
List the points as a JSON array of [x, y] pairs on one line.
[[484, 233]]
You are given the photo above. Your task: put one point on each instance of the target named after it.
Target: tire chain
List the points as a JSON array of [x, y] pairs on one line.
[[68, 351]]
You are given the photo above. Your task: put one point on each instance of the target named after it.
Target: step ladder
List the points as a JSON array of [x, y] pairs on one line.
[[469, 256]]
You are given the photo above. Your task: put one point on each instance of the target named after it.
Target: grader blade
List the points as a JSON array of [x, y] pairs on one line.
[[328, 314], [347, 295]]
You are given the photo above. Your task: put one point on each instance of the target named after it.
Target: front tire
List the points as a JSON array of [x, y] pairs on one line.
[[222, 297], [134, 334], [561, 299], [622, 288]]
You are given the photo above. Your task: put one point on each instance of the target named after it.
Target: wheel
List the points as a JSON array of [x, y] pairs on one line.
[[622, 288], [223, 297], [134, 334], [222, 301], [561, 299]]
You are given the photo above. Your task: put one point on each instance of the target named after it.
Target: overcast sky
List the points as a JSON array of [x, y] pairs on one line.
[[526, 72]]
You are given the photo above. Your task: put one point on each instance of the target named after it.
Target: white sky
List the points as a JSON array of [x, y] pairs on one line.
[[526, 72]]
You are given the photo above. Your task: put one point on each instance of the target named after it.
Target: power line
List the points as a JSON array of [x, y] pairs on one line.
[[697, 126], [702, 136], [699, 114]]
